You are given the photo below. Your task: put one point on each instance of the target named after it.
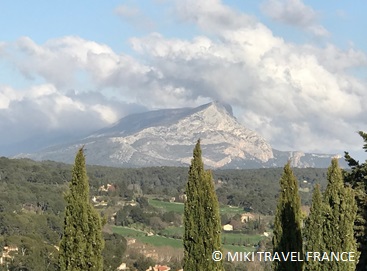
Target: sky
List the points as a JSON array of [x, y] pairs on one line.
[[294, 71]]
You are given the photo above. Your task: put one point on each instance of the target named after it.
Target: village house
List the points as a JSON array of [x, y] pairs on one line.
[[246, 217], [107, 188], [228, 227], [122, 267]]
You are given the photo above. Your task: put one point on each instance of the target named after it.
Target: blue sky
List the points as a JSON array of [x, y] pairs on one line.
[[98, 21], [294, 71]]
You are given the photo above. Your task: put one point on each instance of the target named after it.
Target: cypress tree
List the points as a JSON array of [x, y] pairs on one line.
[[82, 243], [349, 212], [357, 179], [201, 218], [340, 214], [313, 229], [287, 235]]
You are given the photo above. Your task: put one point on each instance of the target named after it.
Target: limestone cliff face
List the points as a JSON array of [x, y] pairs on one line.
[[167, 137], [171, 134]]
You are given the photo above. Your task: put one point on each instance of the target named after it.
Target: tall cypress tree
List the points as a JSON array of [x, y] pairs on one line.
[[201, 219], [313, 229], [287, 225], [349, 212], [340, 214], [357, 177], [82, 243]]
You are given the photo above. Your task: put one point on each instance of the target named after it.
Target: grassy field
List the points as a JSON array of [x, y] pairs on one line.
[[172, 231], [141, 236], [231, 210], [240, 238], [128, 232], [179, 207], [238, 248], [227, 237], [157, 240], [167, 206]]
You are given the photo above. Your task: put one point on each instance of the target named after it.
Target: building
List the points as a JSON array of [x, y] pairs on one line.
[[228, 227], [122, 267], [247, 217]]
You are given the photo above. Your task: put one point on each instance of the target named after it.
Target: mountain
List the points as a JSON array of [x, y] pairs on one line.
[[167, 137]]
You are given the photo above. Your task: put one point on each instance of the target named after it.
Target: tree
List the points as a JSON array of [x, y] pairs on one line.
[[32, 254], [201, 218], [287, 225], [357, 178], [143, 263], [313, 229], [115, 247], [340, 214], [82, 243]]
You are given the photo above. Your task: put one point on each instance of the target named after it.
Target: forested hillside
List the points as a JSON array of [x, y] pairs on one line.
[[36, 183], [32, 204]]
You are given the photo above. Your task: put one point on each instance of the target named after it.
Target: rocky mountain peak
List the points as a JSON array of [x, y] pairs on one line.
[[222, 106]]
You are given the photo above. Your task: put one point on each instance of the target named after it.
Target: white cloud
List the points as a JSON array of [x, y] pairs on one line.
[[60, 61], [294, 13], [56, 61], [134, 16], [6, 96], [211, 15], [43, 112], [106, 113], [336, 59], [126, 11], [298, 96], [318, 30]]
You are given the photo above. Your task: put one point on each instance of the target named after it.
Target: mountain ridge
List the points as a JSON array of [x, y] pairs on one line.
[[166, 137]]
